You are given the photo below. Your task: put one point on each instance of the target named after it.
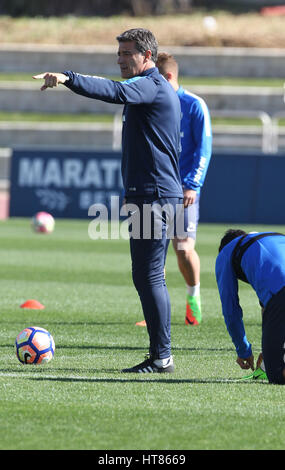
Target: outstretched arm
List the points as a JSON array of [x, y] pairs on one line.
[[232, 311], [139, 90], [51, 79]]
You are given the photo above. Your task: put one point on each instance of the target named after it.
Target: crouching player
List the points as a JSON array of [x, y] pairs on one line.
[[259, 260]]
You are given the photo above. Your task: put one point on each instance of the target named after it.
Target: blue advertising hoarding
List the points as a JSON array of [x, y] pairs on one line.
[[63, 183], [239, 188], [244, 188]]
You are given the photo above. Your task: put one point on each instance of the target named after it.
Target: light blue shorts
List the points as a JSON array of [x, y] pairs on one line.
[[191, 218]]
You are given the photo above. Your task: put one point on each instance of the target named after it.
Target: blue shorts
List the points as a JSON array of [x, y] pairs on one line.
[[273, 338]]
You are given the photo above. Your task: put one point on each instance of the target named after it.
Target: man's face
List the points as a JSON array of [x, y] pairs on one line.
[[131, 61]]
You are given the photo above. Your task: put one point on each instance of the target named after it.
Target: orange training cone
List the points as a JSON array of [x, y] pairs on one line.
[[34, 304], [141, 323]]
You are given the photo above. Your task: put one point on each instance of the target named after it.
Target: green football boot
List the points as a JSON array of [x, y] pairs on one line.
[[193, 310], [257, 374]]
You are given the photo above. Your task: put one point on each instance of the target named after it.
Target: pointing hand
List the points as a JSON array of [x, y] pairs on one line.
[[51, 79]]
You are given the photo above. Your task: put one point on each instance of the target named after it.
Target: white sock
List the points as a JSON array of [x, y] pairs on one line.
[[164, 362], [193, 290], [262, 366]]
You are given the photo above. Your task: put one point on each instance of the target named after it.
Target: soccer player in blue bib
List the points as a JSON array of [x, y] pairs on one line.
[[196, 151], [259, 260], [150, 172]]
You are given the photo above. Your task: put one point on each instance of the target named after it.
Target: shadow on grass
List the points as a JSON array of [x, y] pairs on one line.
[[125, 378], [145, 380]]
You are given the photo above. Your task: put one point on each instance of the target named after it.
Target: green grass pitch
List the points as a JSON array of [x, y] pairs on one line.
[[81, 400]]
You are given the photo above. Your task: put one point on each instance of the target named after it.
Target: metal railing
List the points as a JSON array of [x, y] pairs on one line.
[[268, 135], [265, 136], [276, 130], [266, 120]]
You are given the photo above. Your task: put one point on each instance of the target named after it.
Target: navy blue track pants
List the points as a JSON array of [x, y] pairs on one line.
[[273, 338], [148, 254]]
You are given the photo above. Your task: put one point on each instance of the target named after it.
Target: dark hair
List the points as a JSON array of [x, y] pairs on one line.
[[144, 40], [230, 235]]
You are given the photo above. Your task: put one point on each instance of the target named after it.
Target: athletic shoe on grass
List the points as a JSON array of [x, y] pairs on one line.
[[150, 366], [193, 310], [257, 374]]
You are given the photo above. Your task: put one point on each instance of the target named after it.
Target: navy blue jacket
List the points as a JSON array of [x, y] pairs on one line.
[[151, 129]]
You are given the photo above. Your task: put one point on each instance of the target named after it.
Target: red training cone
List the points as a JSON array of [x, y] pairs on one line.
[[34, 304]]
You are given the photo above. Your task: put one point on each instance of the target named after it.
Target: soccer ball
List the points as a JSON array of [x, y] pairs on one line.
[[43, 222], [34, 345]]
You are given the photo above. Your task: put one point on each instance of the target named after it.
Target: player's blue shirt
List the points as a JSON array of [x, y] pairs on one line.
[[263, 263], [196, 140], [151, 129]]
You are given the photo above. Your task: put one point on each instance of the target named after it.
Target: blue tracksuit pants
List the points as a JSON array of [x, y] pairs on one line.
[[273, 338], [149, 247]]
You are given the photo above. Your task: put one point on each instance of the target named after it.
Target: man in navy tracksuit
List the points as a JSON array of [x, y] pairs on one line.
[[150, 152], [259, 260]]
